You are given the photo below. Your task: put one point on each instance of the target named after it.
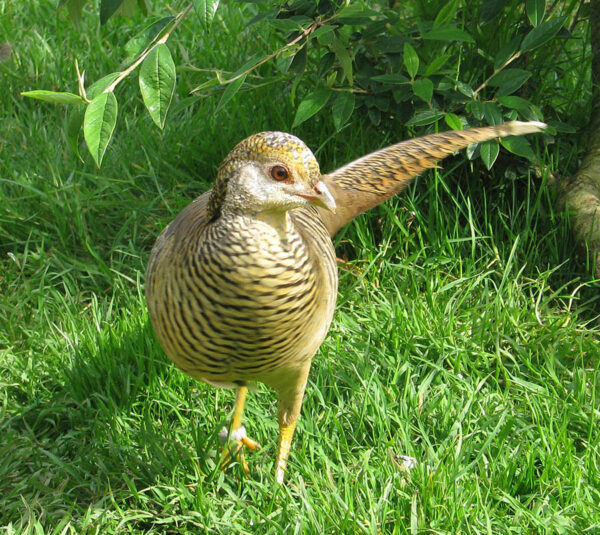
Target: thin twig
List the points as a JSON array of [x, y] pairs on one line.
[[143, 56], [305, 33], [506, 63]]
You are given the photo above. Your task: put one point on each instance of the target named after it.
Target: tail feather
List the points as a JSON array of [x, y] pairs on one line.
[[370, 180]]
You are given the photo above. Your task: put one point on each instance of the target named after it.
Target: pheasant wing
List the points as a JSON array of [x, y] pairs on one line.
[[370, 180]]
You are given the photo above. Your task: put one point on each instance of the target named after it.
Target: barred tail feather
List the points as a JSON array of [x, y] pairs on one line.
[[370, 180]]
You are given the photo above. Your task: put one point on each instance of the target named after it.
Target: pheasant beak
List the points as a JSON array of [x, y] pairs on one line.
[[320, 196]]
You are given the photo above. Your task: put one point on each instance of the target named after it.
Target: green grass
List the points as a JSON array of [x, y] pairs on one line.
[[466, 333]]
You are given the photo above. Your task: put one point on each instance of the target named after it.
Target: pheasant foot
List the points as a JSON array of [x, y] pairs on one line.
[[237, 437]]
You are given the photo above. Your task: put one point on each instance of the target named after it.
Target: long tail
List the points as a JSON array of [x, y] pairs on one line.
[[370, 180]]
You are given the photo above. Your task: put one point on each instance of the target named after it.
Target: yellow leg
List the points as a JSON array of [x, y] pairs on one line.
[[286, 432], [238, 433], [290, 403], [238, 410], [236, 421]]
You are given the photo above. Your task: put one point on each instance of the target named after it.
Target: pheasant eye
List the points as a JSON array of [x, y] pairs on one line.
[[278, 172]]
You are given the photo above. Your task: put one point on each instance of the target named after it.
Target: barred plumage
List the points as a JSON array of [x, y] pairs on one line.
[[241, 300], [242, 285]]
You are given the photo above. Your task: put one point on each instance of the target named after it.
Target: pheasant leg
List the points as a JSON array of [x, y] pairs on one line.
[[290, 404], [238, 432], [286, 432]]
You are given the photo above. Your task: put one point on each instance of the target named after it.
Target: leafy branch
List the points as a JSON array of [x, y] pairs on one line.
[[97, 109], [358, 57]]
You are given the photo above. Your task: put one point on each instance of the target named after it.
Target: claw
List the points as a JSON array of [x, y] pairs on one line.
[[251, 444], [237, 436], [231, 452]]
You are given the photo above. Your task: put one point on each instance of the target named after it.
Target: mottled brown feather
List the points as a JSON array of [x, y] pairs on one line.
[[370, 180]]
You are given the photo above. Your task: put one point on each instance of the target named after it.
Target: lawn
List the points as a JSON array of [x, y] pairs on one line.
[[466, 333]]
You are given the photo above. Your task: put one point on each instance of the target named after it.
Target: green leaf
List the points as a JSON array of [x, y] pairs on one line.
[[244, 69], [492, 113], [453, 121], [563, 128], [206, 10], [465, 89], [374, 29], [100, 85], [374, 116], [263, 15], [507, 76], [436, 64], [411, 60], [423, 118], [507, 51], [344, 57], [290, 25], [536, 113], [489, 152], [324, 34], [542, 33], [53, 96], [230, 91], [391, 45], [99, 123], [476, 108], [157, 82], [423, 88], [518, 145], [249, 65], [516, 103], [325, 64], [535, 11], [448, 33], [206, 85], [381, 102], [509, 80], [108, 9], [390, 79], [491, 9], [525, 108], [298, 63], [402, 93], [342, 108], [311, 105], [472, 151], [446, 14], [137, 44], [73, 130], [356, 14]]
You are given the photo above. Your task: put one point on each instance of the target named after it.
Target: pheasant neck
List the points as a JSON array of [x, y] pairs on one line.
[[277, 219], [280, 221]]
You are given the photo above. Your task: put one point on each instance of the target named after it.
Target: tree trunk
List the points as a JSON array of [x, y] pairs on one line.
[[582, 191]]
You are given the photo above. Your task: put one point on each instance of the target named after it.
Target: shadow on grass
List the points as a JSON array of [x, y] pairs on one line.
[[117, 422]]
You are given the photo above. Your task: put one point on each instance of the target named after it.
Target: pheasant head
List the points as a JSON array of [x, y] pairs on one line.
[[268, 172]]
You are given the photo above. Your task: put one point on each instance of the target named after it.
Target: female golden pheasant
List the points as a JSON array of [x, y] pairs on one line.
[[242, 285]]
